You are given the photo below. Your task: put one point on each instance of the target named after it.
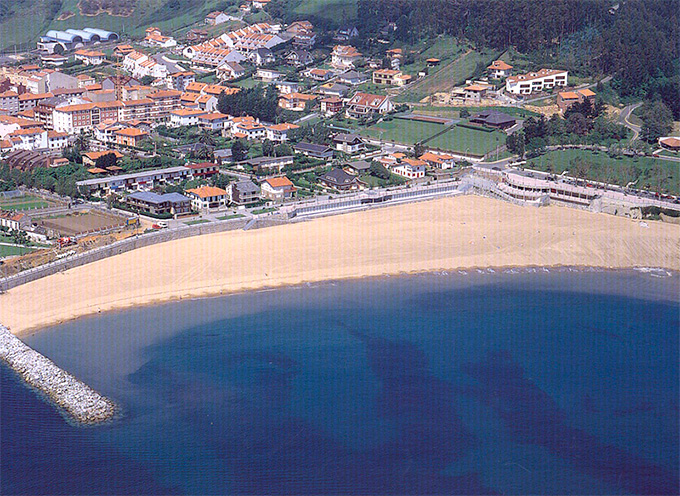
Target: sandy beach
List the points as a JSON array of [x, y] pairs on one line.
[[445, 234]]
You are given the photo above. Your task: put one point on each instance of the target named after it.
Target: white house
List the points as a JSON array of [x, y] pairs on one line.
[[344, 56], [207, 198], [213, 121], [499, 69], [215, 18], [90, 57], [410, 168], [277, 188], [279, 132], [545, 79], [185, 117]]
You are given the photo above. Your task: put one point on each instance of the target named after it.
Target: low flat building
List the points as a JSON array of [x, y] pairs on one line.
[[315, 151], [358, 167], [268, 165], [494, 118], [438, 161], [170, 203], [14, 220], [670, 143], [203, 170], [566, 99], [90, 158]]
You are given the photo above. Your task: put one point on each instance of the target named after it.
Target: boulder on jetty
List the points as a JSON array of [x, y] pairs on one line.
[[78, 400]]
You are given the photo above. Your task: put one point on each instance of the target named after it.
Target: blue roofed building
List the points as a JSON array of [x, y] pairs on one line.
[[174, 204]]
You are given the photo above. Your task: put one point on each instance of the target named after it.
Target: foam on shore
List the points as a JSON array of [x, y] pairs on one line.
[[78, 400]]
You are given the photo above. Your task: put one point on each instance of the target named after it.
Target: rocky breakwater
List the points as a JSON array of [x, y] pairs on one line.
[[78, 400]]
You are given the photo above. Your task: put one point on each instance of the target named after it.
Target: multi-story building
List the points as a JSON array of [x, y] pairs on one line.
[[207, 198], [344, 56], [390, 77], [278, 189], [138, 181], [185, 117], [545, 79], [499, 69], [279, 132], [410, 168], [365, 104], [179, 80], [169, 203], [243, 193], [566, 99]]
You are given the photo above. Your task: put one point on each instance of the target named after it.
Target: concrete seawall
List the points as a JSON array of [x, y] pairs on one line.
[[78, 400]]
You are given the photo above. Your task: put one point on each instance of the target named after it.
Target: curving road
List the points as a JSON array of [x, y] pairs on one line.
[[625, 115]]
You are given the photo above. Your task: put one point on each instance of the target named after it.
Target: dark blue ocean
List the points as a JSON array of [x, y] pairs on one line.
[[477, 383]]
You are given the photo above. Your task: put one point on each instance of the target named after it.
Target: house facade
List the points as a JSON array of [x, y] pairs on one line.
[[207, 198], [278, 189]]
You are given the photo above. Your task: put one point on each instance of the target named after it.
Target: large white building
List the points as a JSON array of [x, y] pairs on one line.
[[140, 65], [545, 79]]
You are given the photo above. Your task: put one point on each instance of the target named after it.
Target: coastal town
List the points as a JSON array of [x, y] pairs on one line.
[[104, 135]]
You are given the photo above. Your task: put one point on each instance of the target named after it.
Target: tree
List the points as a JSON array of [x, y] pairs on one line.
[[418, 149], [283, 150], [464, 114], [657, 120], [220, 181], [267, 148], [239, 150], [206, 137], [106, 161], [378, 170], [146, 80], [515, 143]]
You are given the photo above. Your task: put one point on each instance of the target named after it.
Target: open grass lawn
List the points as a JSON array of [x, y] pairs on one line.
[[7, 251], [651, 174], [468, 141], [330, 9], [229, 217], [263, 210], [404, 131], [25, 202], [454, 112], [197, 221]]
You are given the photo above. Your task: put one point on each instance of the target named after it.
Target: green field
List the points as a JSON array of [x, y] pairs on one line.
[[25, 202], [404, 131], [651, 174], [468, 141], [229, 217], [331, 9], [198, 221], [7, 251], [454, 112]]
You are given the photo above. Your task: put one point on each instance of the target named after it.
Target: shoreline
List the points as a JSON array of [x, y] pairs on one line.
[[456, 271], [450, 234]]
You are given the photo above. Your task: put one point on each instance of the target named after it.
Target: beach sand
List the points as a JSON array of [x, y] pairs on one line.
[[444, 234]]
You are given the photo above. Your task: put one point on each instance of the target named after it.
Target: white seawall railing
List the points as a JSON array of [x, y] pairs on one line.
[[78, 400]]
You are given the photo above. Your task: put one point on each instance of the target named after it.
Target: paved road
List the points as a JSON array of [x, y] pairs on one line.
[[625, 115], [306, 118]]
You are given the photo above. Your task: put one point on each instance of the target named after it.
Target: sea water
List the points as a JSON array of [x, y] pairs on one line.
[[513, 382]]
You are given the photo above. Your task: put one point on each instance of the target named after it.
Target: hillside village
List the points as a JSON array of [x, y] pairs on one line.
[[231, 115]]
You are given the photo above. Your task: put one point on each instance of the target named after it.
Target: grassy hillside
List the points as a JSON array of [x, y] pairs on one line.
[[23, 21], [330, 9]]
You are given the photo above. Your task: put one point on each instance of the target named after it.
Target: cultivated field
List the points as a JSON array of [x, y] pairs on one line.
[[26, 202], [77, 223], [468, 141], [450, 75]]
